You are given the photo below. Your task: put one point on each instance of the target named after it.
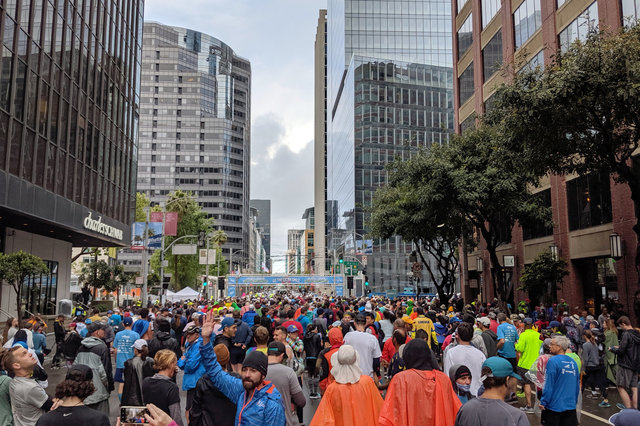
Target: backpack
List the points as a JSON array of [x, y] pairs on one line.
[[377, 332]]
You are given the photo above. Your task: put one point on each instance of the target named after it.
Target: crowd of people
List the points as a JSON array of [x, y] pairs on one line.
[[369, 361]]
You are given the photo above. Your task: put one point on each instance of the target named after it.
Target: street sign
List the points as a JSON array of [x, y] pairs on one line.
[[139, 280], [165, 263], [178, 249], [351, 268], [339, 290], [231, 291], [203, 256]]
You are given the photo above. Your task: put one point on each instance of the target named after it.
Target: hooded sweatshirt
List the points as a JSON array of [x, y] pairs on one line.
[[490, 342], [629, 350], [163, 340], [94, 354]]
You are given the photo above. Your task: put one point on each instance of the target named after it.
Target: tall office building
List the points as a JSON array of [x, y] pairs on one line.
[[263, 222], [320, 145], [295, 251], [69, 88], [589, 212], [195, 127], [389, 93]]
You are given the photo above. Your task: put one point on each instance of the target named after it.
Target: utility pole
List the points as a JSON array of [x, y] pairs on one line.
[[145, 259], [206, 290]]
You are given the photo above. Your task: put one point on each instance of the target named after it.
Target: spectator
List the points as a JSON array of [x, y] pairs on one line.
[[160, 389], [39, 342], [240, 341], [490, 408], [464, 353], [285, 380], [210, 406], [10, 329], [561, 386], [136, 370], [265, 406], [123, 348], [229, 328], [6, 418], [28, 399], [76, 387], [192, 365], [610, 340], [628, 363], [163, 340], [261, 337], [420, 386], [94, 354], [528, 346], [338, 406]]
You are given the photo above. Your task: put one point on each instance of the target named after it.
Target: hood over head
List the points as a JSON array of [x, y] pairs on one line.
[[335, 337]]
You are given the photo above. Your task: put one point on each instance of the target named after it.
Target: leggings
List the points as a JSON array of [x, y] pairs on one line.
[[595, 377]]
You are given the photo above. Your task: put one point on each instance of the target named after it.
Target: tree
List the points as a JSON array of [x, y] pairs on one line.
[[15, 268], [416, 205], [97, 275], [542, 277], [582, 113], [142, 201]]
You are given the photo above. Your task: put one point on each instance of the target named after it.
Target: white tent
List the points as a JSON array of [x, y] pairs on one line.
[[184, 294]]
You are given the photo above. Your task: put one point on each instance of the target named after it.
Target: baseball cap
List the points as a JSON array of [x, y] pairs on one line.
[[109, 311], [484, 321], [95, 326], [500, 367], [139, 344], [127, 321], [528, 321], [192, 329], [227, 322], [554, 324], [276, 349], [626, 417], [292, 329]]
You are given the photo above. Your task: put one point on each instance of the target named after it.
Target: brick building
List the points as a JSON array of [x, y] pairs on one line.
[[589, 212]]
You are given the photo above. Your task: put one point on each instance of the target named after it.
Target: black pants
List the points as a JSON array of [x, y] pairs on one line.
[[59, 355], [564, 418], [596, 377], [299, 410]]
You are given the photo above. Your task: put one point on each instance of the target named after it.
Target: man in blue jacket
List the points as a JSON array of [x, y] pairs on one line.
[[258, 401], [192, 364], [561, 386]]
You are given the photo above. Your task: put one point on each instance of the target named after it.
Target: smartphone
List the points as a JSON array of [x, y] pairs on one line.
[[133, 415]]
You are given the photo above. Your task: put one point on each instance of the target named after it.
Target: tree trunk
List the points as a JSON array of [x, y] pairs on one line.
[[19, 304], [498, 278]]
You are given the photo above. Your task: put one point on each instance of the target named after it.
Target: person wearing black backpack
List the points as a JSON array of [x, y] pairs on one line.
[[628, 364], [593, 361]]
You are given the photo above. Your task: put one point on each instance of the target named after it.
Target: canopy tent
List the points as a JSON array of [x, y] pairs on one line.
[[184, 294]]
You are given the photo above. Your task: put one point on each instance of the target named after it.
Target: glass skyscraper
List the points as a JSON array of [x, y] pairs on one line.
[[390, 92]]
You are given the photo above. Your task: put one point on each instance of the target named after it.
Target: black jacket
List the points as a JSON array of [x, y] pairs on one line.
[[59, 332], [490, 342], [163, 340], [629, 350], [135, 371], [210, 406], [71, 345], [312, 344]]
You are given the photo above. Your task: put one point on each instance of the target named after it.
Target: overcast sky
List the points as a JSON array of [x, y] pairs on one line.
[[277, 36]]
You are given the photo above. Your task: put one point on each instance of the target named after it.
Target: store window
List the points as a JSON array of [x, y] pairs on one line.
[[39, 292], [527, 18], [589, 201], [538, 229]]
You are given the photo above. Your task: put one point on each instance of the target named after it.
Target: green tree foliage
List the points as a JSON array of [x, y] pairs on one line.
[[18, 266], [142, 201], [416, 206], [542, 278], [581, 114], [97, 275]]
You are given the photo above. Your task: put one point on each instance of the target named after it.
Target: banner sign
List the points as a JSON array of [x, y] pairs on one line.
[[154, 235], [171, 224], [155, 217], [285, 279], [339, 290], [231, 291]]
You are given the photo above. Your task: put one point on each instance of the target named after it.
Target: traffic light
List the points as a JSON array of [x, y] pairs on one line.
[[204, 284], [366, 280], [220, 283], [165, 282], [349, 283], [202, 235], [340, 259]]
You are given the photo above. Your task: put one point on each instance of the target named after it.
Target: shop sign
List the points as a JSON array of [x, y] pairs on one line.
[[96, 225]]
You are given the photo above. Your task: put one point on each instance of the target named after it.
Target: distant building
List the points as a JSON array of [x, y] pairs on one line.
[[295, 251], [309, 249], [257, 254], [263, 221]]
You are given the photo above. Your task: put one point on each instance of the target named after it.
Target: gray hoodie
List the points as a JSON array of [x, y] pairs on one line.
[[94, 353]]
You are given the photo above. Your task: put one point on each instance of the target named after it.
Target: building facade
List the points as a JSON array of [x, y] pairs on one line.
[[389, 93], [257, 253], [587, 210], [320, 145], [263, 222], [295, 251], [69, 97], [195, 132]]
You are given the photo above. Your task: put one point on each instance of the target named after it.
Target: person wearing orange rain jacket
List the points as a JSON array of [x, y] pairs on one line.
[[421, 395], [353, 399]]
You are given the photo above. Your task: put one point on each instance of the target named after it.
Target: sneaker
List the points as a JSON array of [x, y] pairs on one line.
[[620, 406], [604, 404], [528, 410]]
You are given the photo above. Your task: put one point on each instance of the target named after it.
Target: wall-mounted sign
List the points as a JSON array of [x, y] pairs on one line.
[[96, 225], [509, 261]]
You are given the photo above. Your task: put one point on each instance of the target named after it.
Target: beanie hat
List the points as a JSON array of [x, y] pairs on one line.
[[258, 361], [222, 353]]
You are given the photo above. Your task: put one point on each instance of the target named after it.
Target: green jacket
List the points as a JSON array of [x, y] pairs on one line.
[[529, 347]]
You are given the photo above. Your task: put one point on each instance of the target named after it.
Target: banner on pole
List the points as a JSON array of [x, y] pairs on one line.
[[171, 224]]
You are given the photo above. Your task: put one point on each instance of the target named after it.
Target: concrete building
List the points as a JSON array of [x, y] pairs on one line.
[[69, 102], [587, 210], [309, 249], [389, 93], [263, 222], [295, 251], [195, 127], [257, 253]]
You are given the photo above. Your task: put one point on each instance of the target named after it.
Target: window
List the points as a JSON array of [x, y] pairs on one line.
[[538, 229], [526, 20], [179, 124], [177, 158], [179, 79], [536, 61], [178, 135], [157, 67], [492, 56], [468, 123], [154, 146], [561, 3], [589, 201], [179, 101], [179, 113], [157, 54], [154, 135], [155, 112], [630, 11], [180, 90], [155, 90], [465, 37], [489, 9], [580, 27], [466, 84], [157, 78], [461, 4]]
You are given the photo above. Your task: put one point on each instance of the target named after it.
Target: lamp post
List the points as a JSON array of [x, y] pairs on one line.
[[555, 252], [615, 246]]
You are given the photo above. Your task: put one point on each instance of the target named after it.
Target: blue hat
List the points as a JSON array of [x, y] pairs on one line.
[[227, 322], [292, 329], [554, 324], [109, 311], [88, 321], [500, 367], [626, 417], [127, 321]]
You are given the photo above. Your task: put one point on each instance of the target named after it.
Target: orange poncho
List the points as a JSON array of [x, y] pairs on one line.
[[420, 397], [350, 404]]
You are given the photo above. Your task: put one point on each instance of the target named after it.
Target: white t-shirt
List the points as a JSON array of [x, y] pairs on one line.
[[469, 356], [367, 347]]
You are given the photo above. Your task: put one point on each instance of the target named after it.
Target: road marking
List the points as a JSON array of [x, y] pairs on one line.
[[593, 416]]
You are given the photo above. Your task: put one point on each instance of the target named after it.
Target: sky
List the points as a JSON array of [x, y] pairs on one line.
[[277, 37]]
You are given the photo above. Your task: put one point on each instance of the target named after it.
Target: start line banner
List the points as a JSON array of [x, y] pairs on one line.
[[284, 280]]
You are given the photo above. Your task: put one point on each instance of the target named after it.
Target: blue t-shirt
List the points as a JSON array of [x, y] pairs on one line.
[[509, 333], [39, 342], [561, 384], [124, 344]]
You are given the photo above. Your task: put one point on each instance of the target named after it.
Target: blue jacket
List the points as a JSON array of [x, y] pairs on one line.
[[249, 317], [192, 365], [243, 334], [562, 384], [263, 407]]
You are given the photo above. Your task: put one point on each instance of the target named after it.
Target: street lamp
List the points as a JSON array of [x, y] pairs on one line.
[[555, 252], [615, 246], [479, 263]]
